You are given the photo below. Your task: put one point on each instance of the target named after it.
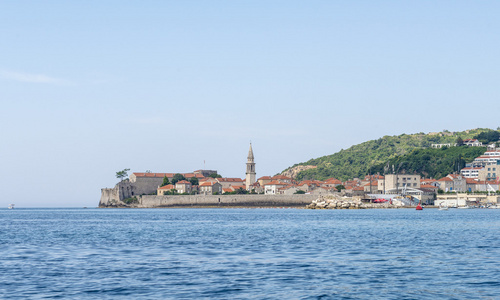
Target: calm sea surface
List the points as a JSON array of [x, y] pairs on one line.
[[249, 254]]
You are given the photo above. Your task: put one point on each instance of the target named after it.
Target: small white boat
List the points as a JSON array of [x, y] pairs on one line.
[[11, 206], [464, 207], [443, 207]]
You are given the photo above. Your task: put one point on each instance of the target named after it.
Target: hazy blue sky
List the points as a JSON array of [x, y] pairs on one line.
[[88, 88]]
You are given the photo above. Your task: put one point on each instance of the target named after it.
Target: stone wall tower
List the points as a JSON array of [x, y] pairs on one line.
[[250, 178]]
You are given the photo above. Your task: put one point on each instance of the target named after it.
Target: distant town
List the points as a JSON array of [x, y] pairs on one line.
[[473, 185]]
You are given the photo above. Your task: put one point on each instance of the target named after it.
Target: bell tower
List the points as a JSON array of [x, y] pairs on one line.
[[250, 178]]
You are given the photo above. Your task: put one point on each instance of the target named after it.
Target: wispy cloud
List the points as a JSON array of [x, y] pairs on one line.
[[33, 78]]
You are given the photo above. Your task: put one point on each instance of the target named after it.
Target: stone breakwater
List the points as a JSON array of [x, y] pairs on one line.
[[338, 202]]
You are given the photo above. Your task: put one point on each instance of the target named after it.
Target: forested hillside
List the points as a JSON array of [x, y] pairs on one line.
[[431, 163], [372, 156]]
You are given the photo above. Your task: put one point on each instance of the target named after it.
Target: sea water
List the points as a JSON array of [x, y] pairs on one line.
[[249, 254]]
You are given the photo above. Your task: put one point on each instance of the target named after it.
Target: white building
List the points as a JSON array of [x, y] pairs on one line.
[[272, 188], [394, 182], [473, 143], [440, 145], [470, 172]]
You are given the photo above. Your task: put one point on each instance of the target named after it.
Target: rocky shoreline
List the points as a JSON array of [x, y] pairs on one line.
[[338, 202]]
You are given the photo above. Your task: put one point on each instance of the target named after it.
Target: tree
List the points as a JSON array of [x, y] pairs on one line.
[[194, 180], [165, 181], [215, 175], [177, 177], [241, 191], [122, 174], [300, 192], [459, 142], [487, 137], [340, 187]]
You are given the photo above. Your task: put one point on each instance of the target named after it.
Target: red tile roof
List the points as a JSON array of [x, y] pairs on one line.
[[445, 179], [183, 182], [428, 186], [167, 187], [275, 182], [333, 181], [235, 187], [230, 180], [169, 175], [152, 174]]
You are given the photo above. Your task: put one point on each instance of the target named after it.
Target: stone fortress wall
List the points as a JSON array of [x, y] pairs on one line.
[[152, 201]]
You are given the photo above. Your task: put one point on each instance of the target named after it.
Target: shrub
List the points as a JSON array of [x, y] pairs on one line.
[[130, 200]]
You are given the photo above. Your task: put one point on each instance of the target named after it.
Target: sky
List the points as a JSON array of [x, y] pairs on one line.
[[88, 88]]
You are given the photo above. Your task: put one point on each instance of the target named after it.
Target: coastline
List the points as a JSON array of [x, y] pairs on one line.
[[299, 201]]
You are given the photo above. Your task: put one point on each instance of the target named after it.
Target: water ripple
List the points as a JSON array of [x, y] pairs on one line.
[[249, 254]]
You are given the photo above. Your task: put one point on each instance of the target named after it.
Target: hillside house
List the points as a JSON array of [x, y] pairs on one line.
[[166, 188], [209, 188], [453, 182], [264, 180], [183, 186], [473, 143]]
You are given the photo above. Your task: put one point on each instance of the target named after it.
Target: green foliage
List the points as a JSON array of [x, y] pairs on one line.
[[131, 200], [178, 177], [122, 174], [356, 161], [340, 187], [487, 137], [459, 142], [194, 181], [171, 192], [165, 181], [430, 162], [300, 192], [215, 175], [239, 191]]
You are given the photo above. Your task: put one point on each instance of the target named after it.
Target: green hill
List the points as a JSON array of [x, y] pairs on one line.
[[372, 156], [433, 163]]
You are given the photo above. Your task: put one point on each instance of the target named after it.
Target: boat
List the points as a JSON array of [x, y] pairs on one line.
[[11, 206], [443, 207], [419, 207], [464, 207]]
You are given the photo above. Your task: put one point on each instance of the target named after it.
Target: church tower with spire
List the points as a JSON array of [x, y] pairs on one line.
[[250, 178]]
